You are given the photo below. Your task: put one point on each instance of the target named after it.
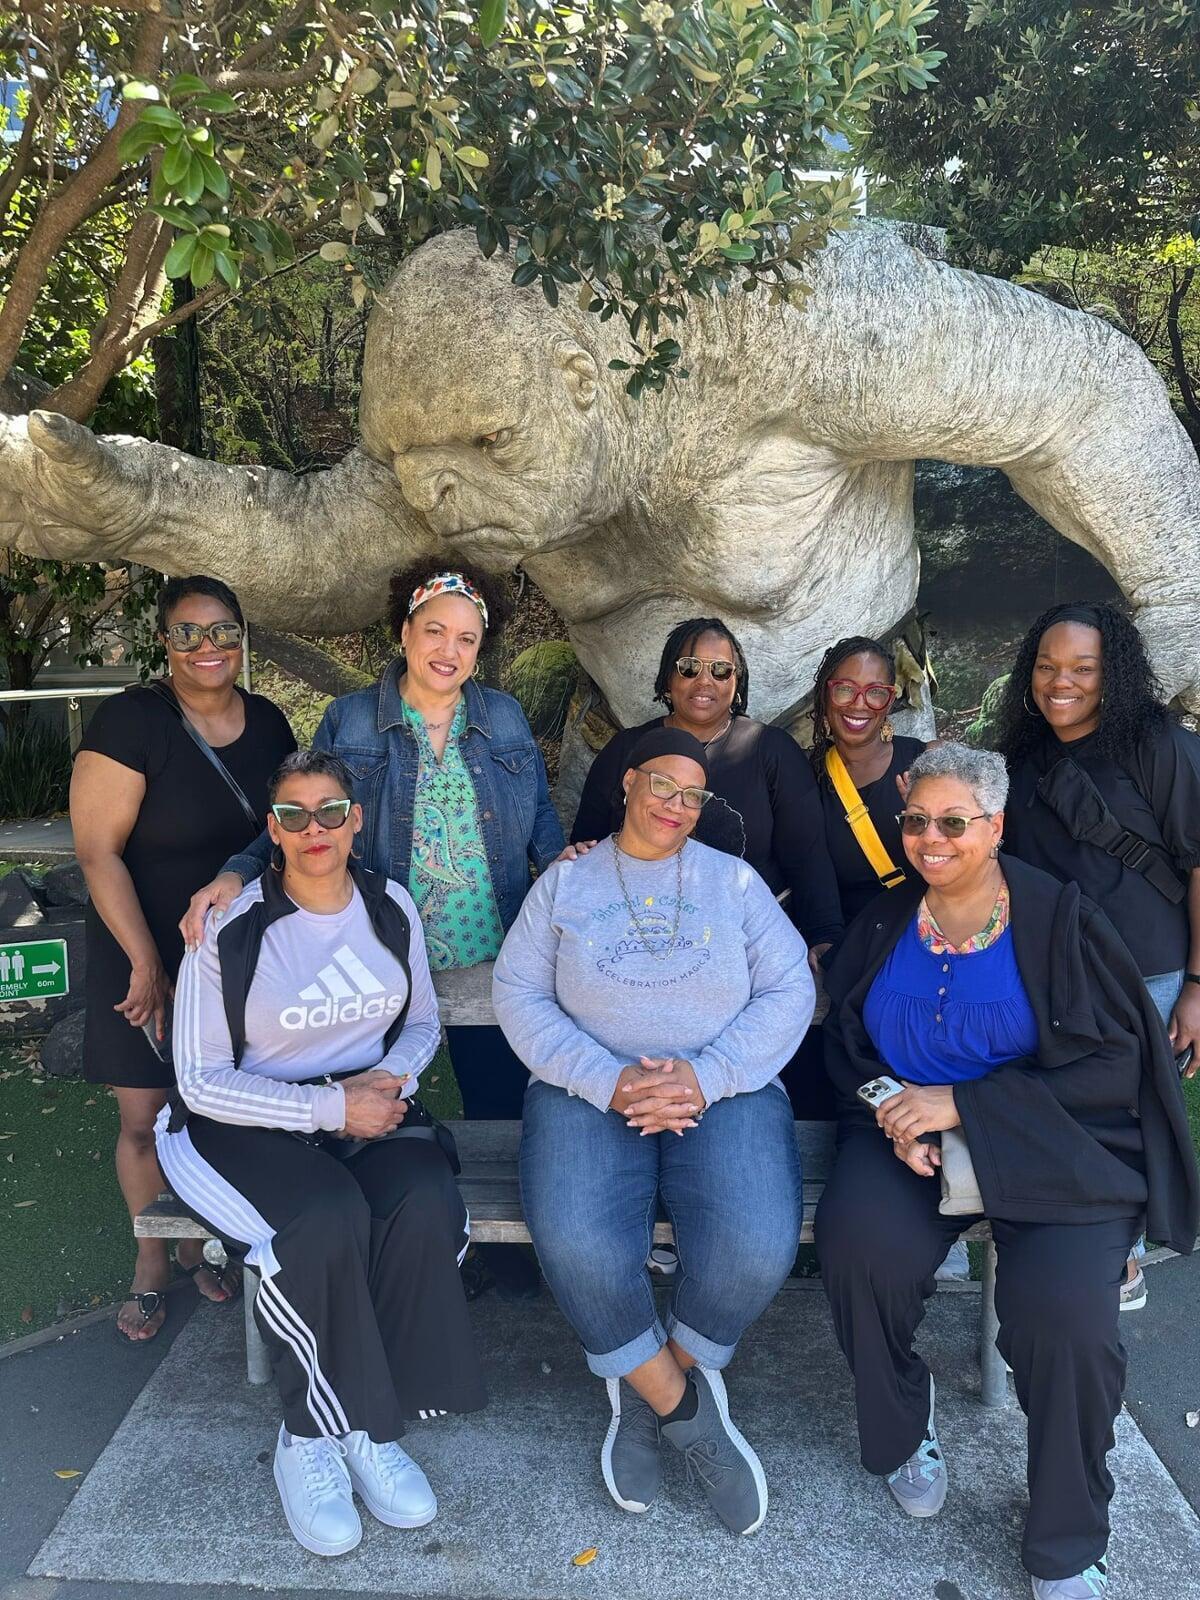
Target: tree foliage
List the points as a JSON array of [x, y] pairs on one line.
[[1053, 123], [631, 153]]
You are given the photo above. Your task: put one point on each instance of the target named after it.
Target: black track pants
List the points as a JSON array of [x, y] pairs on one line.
[[881, 1238], [361, 1299]]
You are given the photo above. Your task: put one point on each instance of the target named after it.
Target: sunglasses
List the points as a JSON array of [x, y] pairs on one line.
[[664, 788], [329, 814], [914, 824], [189, 636], [845, 692], [693, 666]]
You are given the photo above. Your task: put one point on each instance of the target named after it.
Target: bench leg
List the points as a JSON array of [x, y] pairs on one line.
[[993, 1372], [258, 1356]]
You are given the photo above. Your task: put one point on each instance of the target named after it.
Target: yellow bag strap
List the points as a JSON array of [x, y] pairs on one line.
[[859, 818]]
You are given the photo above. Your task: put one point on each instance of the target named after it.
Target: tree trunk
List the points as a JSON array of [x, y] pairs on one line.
[[1180, 286], [177, 381]]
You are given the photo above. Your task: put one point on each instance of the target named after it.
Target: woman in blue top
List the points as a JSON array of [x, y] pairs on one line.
[[456, 806], [1015, 1018]]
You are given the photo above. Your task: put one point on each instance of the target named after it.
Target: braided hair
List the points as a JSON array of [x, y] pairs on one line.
[[856, 645], [682, 639], [1131, 708]]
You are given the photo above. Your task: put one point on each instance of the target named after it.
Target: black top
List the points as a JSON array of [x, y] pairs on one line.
[[190, 821], [857, 881], [766, 810], [1156, 796], [1093, 1126]]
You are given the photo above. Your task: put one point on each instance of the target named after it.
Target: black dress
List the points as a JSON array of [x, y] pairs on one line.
[[189, 824], [766, 810], [1155, 794], [858, 883]]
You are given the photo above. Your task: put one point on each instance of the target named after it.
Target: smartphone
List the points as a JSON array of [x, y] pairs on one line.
[[1184, 1061], [873, 1094], [161, 1047]]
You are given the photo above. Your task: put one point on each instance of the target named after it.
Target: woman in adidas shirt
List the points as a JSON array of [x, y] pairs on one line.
[[302, 1024]]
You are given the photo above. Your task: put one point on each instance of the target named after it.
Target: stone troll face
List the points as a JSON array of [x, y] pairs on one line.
[[773, 487]]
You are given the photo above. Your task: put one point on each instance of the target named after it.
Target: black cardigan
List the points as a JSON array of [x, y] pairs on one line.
[[1095, 1128]]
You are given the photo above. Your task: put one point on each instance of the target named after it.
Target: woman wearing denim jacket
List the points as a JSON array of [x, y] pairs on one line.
[[456, 805]]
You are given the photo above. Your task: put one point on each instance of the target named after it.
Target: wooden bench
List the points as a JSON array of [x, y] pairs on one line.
[[488, 1151]]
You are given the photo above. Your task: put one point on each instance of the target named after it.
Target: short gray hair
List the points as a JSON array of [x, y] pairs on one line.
[[983, 772]]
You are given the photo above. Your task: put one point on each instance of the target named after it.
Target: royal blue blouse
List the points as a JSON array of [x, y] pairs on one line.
[[947, 1018]]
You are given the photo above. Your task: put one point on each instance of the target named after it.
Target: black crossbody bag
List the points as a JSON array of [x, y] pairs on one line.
[[1084, 813], [418, 1123], [163, 692]]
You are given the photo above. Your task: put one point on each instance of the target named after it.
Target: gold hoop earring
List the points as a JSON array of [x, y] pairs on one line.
[[1030, 710], [887, 733]]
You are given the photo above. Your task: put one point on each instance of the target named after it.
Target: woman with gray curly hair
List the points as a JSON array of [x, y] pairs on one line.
[[1024, 1041]]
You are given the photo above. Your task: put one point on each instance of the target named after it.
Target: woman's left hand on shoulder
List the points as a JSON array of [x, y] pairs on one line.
[[918, 1109], [572, 852], [1185, 1026]]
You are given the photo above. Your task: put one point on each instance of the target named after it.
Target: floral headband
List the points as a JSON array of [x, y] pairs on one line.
[[448, 583]]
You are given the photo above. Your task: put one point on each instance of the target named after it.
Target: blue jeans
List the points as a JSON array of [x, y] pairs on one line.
[[590, 1186]]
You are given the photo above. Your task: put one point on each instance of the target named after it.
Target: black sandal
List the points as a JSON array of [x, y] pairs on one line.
[[148, 1302], [217, 1272]]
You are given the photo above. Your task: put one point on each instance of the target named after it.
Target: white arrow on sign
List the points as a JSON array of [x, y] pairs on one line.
[[52, 968]]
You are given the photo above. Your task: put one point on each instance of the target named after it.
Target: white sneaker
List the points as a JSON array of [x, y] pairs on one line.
[[390, 1483], [318, 1501]]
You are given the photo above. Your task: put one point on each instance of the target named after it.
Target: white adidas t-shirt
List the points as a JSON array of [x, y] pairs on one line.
[[324, 993]]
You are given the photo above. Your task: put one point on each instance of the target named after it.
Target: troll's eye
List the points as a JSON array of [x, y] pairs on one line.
[[489, 441]]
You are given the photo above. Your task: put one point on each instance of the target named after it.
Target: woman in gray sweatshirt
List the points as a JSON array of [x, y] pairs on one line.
[[654, 988]]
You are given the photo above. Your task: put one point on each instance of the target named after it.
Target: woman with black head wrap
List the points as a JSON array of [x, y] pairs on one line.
[[1105, 792]]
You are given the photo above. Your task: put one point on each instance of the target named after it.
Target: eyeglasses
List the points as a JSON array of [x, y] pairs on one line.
[[875, 696], [914, 823], [189, 636], [693, 666], [664, 788], [329, 814]]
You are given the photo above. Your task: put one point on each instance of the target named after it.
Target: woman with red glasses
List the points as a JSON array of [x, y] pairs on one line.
[[765, 806], [858, 760]]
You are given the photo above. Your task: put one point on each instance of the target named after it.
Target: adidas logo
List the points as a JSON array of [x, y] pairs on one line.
[[345, 991]]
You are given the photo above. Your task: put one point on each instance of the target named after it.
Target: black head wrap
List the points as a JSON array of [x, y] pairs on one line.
[[1088, 615], [668, 742]]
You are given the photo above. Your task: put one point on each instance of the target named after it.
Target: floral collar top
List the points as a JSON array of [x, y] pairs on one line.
[[936, 942]]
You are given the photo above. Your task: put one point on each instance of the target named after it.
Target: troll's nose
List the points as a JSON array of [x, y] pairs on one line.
[[427, 488]]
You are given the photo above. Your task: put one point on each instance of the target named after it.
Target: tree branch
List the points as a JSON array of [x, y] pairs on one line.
[[253, 53]]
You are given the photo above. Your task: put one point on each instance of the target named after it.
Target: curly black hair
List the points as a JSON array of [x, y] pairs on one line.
[[855, 645], [681, 641], [1132, 705], [494, 590]]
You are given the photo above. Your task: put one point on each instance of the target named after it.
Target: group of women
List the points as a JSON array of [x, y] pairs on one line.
[[654, 986]]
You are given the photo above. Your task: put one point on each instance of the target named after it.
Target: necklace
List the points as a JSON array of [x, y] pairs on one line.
[[643, 933], [716, 736], [433, 726]]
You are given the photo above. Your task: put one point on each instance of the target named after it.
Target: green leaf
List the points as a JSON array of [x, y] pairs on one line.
[[191, 186], [135, 89], [491, 21], [161, 117], [470, 156], [176, 216], [187, 83], [738, 252], [177, 163], [433, 167], [203, 265], [179, 256], [334, 250], [137, 141], [228, 268], [527, 273], [215, 177], [216, 101]]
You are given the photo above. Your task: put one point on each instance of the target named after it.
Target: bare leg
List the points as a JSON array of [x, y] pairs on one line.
[[684, 1360], [660, 1382], [141, 1181]]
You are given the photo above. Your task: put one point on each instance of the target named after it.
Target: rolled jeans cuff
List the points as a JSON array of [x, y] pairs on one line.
[[701, 1349], [621, 1362]]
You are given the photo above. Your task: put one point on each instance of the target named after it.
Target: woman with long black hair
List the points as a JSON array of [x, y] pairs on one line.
[[1105, 793]]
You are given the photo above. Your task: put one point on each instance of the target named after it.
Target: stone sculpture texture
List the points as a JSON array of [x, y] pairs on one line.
[[773, 487]]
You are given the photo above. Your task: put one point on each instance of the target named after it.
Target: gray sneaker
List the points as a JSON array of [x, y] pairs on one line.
[[1133, 1291], [920, 1485], [1084, 1586], [716, 1454], [629, 1458]]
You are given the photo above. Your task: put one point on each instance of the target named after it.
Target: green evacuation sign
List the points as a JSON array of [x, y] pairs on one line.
[[33, 971]]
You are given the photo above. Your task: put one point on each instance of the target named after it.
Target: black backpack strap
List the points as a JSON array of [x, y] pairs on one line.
[[1084, 813], [164, 693]]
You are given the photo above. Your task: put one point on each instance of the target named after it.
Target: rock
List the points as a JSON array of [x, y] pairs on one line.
[[66, 886], [19, 907], [543, 679], [61, 1052], [985, 729]]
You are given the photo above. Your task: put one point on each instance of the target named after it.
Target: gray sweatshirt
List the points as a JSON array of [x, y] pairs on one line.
[[324, 993], [580, 992]]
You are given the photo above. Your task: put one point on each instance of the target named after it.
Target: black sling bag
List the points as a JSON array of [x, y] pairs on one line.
[[164, 693], [1084, 813]]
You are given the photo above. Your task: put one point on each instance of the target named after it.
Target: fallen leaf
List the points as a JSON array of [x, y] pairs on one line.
[[26, 1313], [67, 1472], [1193, 1419], [585, 1557], [17, 1204], [49, 1110]]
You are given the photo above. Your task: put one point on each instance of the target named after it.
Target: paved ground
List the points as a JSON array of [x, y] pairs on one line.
[[520, 1487], [43, 839]]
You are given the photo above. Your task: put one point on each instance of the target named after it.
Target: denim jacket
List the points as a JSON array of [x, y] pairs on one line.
[[520, 826]]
